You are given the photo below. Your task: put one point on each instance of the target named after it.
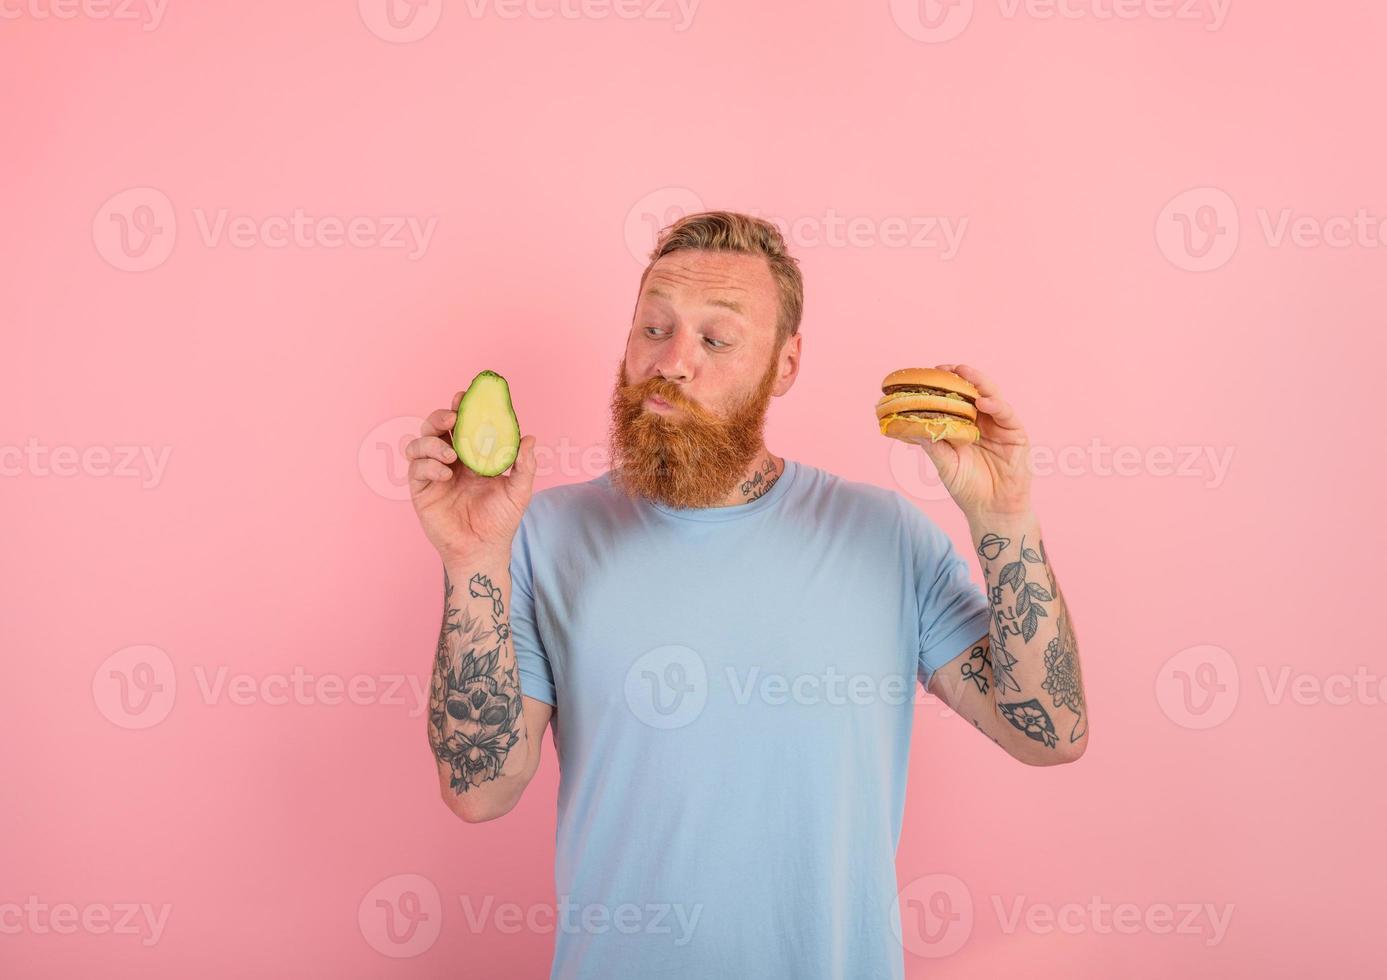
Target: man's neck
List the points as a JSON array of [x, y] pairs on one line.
[[758, 478]]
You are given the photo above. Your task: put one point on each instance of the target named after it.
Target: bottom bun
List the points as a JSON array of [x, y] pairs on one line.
[[909, 428]]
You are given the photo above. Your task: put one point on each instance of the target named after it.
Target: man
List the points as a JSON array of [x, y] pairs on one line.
[[727, 642]]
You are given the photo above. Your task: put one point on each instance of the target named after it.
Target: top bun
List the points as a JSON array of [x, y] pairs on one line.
[[930, 377]]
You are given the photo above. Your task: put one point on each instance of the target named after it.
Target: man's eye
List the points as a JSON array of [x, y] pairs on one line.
[[713, 342]]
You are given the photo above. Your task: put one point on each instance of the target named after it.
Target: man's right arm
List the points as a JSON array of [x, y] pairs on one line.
[[484, 734]]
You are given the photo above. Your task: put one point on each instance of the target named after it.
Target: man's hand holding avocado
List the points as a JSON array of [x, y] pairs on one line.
[[467, 508]]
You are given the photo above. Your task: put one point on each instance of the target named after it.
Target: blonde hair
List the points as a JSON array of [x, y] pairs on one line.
[[729, 231]]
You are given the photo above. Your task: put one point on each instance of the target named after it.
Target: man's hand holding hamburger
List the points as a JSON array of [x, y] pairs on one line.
[[1027, 669], [967, 429]]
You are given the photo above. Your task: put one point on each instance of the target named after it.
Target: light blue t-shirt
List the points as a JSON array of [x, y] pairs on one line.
[[734, 689]]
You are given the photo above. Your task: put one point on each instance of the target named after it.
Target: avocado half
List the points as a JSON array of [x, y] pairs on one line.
[[486, 434]]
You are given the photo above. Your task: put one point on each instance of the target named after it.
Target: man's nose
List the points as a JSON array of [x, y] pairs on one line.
[[676, 356]]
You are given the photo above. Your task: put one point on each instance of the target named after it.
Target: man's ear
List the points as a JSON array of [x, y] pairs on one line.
[[788, 365]]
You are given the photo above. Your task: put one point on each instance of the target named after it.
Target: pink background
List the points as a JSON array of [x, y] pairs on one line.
[[283, 835]]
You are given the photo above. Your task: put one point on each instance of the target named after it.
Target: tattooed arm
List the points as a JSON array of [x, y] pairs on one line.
[[485, 736], [1021, 683]]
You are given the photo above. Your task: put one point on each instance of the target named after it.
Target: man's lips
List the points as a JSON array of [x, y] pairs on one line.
[[659, 404]]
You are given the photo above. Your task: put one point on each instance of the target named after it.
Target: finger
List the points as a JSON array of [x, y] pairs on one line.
[[942, 454], [457, 399], [980, 381], [425, 471], [999, 411], [430, 447], [946, 367], [438, 422]]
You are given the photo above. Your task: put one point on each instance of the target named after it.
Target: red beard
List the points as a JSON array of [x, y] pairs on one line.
[[688, 458]]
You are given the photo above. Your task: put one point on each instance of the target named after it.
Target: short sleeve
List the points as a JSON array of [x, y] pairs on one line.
[[953, 608], [536, 677]]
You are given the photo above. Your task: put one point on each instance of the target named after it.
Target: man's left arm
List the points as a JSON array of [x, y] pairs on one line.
[[1020, 684]]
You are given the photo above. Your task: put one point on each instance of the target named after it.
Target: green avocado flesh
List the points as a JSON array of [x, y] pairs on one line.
[[486, 434]]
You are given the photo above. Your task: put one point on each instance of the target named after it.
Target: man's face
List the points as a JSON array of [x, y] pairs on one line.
[[703, 341]]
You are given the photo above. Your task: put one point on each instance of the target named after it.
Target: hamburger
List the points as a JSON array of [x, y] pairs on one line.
[[927, 404]]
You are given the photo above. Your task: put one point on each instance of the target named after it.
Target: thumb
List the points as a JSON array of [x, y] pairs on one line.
[[521, 482]]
